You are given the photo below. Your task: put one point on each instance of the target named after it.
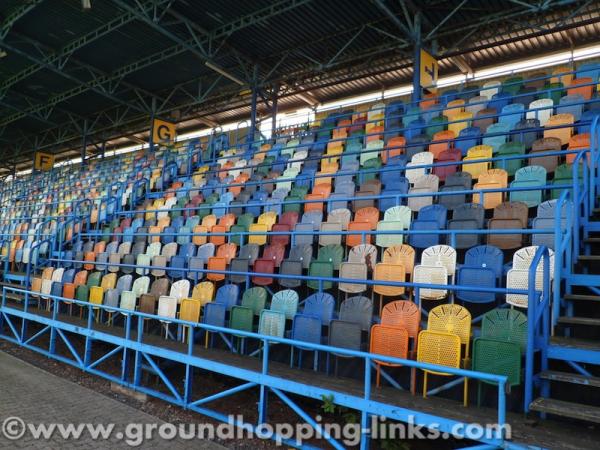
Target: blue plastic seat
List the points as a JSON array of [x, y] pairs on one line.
[[476, 276], [487, 256], [320, 305]]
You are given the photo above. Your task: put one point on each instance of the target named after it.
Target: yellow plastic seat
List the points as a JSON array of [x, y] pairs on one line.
[[452, 318], [492, 179], [260, 239], [96, 295], [565, 133], [441, 348], [268, 218]]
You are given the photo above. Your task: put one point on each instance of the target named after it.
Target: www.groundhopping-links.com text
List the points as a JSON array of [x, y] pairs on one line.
[[135, 434]]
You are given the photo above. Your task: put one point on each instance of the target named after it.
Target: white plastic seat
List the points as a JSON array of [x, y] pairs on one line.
[[431, 275]]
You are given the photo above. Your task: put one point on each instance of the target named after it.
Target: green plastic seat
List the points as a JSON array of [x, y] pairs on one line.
[[512, 85], [82, 293], [106, 231], [299, 191], [332, 253], [320, 269], [504, 324], [245, 220], [436, 125], [370, 164], [497, 357], [94, 279], [255, 298], [241, 318], [554, 95], [294, 207], [510, 149], [237, 238]]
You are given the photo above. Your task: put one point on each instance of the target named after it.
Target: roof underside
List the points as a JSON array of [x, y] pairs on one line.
[[103, 71]]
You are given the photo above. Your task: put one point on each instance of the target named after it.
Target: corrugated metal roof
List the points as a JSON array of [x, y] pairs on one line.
[[333, 49]]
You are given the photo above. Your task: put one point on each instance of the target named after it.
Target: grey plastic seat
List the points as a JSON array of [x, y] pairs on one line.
[[159, 287], [359, 310], [306, 238], [124, 283], [315, 218], [101, 260], [290, 267], [303, 253], [195, 263], [249, 252], [239, 265], [346, 335], [128, 261], [158, 261]]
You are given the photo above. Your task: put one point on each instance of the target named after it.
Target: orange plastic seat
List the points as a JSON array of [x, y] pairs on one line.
[[227, 251], [388, 341], [313, 206], [357, 239], [578, 87], [368, 214], [216, 263], [395, 147], [216, 238]]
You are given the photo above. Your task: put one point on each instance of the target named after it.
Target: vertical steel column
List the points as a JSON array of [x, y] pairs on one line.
[[253, 105], [274, 109], [151, 136], [103, 150], [84, 143], [416, 95]]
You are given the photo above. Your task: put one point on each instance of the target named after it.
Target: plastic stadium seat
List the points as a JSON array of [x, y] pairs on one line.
[[388, 341], [255, 299], [440, 348], [285, 302], [476, 276], [430, 275]]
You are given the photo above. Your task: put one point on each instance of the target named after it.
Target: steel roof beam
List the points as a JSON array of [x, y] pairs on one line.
[[17, 13], [226, 30], [141, 93]]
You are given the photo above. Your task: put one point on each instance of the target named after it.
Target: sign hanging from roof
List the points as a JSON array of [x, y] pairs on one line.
[[43, 161], [429, 71], [163, 132]]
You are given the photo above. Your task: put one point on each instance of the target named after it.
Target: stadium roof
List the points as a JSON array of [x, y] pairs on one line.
[[65, 70]]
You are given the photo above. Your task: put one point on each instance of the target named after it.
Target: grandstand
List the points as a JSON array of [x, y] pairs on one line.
[[426, 255]]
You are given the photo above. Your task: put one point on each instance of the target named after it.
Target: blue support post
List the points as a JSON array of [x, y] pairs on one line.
[[274, 101], [151, 136], [84, 143], [416, 95], [253, 105]]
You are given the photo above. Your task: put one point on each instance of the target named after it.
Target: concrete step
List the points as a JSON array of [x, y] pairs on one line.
[[573, 378], [566, 409]]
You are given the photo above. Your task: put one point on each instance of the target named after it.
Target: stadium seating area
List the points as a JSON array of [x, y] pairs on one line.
[[354, 231]]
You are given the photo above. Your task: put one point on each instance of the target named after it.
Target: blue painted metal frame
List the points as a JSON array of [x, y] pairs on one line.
[[142, 351]]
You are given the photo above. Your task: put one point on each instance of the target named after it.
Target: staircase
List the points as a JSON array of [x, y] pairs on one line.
[[568, 378]]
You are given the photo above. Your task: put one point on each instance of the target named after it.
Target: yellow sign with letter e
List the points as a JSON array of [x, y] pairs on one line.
[[163, 132], [43, 161]]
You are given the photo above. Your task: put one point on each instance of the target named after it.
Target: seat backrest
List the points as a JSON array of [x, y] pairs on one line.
[[505, 324], [438, 347], [272, 323], [451, 318], [359, 310], [440, 255], [321, 305], [404, 314], [345, 334]]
